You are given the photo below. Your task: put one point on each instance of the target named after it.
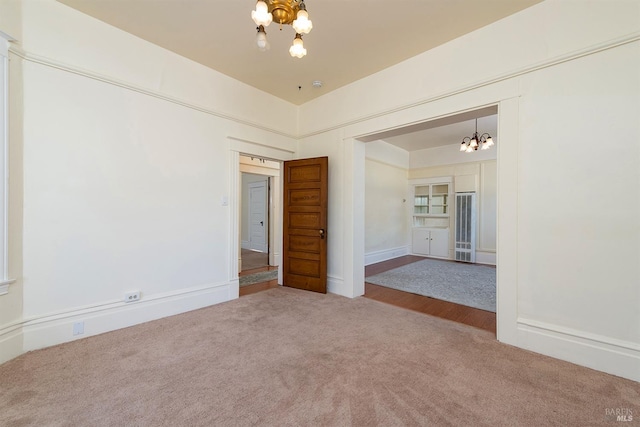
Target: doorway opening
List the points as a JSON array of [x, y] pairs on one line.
[[254, 225], [259, 223], [412, 178]]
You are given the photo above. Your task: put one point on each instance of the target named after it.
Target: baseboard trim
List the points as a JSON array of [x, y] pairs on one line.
[[485, 257], [45, 331], [385, 254], [335, 285], [616, 357], [11, 341]]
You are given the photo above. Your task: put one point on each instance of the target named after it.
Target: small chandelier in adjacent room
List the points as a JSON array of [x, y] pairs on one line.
[[284, 12], [472, 143]]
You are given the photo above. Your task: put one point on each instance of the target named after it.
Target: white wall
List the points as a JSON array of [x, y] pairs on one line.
[[126, 155], [386, 198], [578, 211], [55, 34], [11, 18], [560, 73]]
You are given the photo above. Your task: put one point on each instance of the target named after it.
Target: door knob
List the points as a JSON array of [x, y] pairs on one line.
[[262, 223], [321, 231]]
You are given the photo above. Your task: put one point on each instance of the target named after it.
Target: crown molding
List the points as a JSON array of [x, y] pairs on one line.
[[52, 63], [573, 55], [597, 48]]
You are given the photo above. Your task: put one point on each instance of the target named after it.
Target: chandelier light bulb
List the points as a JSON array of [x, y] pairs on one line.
[[302, 24], [475, 141], [261, 39], [297, 49], [261, 16], [283, 12]]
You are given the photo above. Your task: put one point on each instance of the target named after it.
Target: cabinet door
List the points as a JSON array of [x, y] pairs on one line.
[[420, 241], [439, 243]]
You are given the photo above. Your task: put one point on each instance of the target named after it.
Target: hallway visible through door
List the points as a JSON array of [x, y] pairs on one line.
[[259, 223], [258, 210]]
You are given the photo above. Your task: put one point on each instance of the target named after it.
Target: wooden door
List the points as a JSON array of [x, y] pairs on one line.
[[305, 224]]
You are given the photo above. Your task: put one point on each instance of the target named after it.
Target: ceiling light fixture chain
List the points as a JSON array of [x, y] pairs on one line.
[[284, 12], [471, 144]]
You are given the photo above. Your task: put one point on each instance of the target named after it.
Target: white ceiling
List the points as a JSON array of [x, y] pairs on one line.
[[446, 131], [351, 39]]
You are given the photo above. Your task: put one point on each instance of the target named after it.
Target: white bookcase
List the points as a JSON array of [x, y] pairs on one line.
[[430, 200], [430, 216]]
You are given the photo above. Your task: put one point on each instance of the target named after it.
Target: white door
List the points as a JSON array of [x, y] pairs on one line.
[[258, 231]]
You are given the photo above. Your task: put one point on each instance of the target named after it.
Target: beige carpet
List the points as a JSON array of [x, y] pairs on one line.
[[289, 357]]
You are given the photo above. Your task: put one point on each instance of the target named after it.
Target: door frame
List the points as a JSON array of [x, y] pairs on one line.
[[237, 147]]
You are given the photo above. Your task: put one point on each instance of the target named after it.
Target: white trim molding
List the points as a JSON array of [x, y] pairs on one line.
[[52, 63], [570, 56], [4, 286], [486, 256], [336, 285], [598, 352], [385, 254], [10, 341], [56, 328], [4, 165], [37, 332]]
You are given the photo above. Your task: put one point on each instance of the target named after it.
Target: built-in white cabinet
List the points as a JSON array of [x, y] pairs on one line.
[[430, 200], [431, 241], [430, 216]]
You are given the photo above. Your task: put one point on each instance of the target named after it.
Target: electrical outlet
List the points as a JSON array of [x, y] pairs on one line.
[[132, 296], [78, 328]]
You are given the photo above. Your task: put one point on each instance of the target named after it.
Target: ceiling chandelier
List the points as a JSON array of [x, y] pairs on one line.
[[284, 12], [471, 144]]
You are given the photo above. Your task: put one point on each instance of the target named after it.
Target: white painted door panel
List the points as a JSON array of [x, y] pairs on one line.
[[258, 216]]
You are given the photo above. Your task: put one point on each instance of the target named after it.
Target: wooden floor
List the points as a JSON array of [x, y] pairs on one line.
[[447, 310], [253, 259]]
